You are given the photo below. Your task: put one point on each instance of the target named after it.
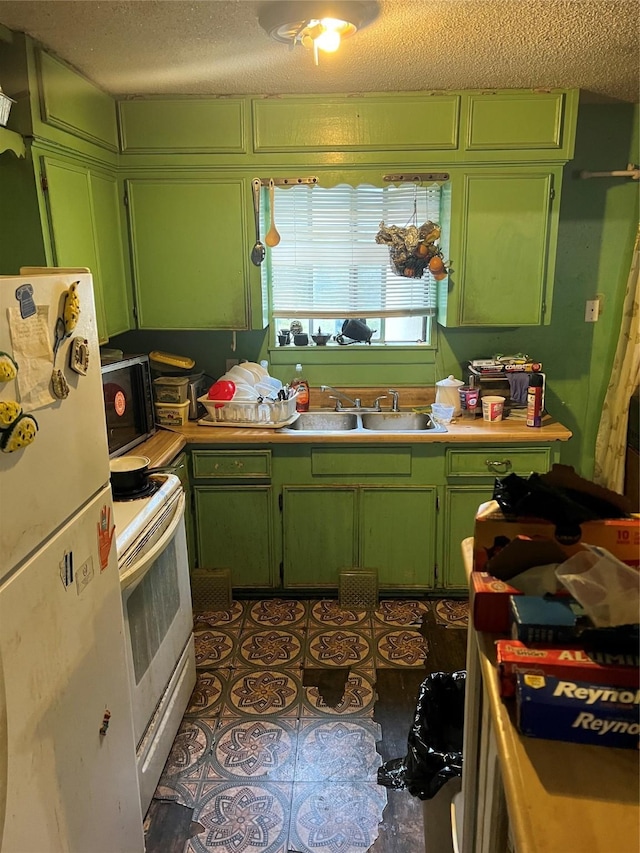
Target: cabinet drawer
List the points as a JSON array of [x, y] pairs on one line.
[[236, 464], [497, 462]]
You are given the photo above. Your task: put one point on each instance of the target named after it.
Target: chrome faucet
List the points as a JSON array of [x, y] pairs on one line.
[[356, 404], [395, 407], [376, 402]]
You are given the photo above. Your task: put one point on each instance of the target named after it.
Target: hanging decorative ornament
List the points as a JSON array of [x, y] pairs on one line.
[[413, 249]]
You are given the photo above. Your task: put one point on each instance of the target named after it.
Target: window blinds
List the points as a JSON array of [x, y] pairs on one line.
[[328, 264]]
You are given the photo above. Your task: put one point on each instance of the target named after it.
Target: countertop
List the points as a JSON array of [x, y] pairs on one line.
[[460, 431], [561, 797]]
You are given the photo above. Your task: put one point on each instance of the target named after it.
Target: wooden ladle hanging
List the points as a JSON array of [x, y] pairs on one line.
[[273, 238]]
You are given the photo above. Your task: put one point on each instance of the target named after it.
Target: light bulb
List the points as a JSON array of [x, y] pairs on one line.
[[329, 41]]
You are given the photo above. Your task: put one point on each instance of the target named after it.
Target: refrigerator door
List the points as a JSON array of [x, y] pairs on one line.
[[70, 775], [45, 483]]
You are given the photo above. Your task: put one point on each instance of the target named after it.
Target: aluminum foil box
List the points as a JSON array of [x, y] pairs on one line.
[[578, 711], [568, 663]]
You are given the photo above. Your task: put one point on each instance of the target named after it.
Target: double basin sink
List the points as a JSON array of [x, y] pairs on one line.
[[364, 421]]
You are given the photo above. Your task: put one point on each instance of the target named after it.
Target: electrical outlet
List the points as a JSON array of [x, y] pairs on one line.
[[231, 362], [592, 310]]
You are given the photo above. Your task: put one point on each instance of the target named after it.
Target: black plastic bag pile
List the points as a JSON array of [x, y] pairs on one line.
[[434, 744], [560, 496]]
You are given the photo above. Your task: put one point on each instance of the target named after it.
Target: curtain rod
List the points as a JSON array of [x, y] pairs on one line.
[[632, 171]]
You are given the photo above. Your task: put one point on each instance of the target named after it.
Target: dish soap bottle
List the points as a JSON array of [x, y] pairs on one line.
[[300, 384]]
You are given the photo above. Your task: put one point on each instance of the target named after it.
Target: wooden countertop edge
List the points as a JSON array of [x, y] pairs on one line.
[[460, 432]]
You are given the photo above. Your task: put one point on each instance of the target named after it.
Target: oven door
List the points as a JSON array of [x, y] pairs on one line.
[[156, 599]]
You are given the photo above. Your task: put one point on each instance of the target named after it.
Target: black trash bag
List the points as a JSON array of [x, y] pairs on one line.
[[434, 744]]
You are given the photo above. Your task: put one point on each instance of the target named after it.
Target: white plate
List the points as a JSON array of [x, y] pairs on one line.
[[206, 421]]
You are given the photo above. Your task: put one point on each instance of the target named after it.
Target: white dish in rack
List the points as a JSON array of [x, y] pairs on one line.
[[207, 421]]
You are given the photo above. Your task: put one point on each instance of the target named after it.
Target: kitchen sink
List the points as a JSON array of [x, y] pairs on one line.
[[325, 422], [366, 421], [398, 421]]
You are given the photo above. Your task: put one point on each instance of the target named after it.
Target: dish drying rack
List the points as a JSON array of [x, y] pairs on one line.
[[246, 413]]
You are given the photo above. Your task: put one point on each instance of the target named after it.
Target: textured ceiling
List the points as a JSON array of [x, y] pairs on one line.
[[218, 47]]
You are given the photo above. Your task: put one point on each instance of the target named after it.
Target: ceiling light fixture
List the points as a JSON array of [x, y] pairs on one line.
[[316, 24]]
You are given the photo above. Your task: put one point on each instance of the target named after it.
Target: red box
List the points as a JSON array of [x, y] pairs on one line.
[[571, 663], [490, 603]]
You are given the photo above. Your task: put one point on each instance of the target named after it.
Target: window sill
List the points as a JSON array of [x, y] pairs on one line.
[[354, 354]]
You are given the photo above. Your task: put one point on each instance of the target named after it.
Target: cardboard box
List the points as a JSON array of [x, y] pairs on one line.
[[510, 547], [490, 603], [577, 711], [566, 663], [493, 534]]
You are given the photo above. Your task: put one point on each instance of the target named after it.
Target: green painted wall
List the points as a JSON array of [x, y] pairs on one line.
[[598, 221]]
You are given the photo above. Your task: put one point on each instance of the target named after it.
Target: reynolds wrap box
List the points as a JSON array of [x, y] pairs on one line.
[[578, 711], [565, 663]]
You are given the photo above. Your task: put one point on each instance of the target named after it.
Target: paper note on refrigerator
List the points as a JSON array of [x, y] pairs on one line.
[[33, 353]]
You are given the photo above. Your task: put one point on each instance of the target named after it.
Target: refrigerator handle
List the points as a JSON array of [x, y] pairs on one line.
[[135, 573]]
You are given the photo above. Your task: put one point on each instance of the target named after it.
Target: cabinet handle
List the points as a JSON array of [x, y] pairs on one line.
[[239, 464], [501, 466]]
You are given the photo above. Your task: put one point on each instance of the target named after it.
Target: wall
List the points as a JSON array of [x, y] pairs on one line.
[[598, 221]]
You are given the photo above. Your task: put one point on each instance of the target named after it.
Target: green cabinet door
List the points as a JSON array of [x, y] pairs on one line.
[[83, 211], [112, 261], [234, 531], [460, 506], [398, 534], [504, 225], [319, 534], [190, 252], [71, 224]]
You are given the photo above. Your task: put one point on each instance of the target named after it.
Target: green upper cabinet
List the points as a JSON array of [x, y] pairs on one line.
[[81, 210], [392, 122], [71, 103], [190, 249], [519, 125], [185, 125], [504, 224]]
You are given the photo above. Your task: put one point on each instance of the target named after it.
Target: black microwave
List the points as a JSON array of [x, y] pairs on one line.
[[128, 403]]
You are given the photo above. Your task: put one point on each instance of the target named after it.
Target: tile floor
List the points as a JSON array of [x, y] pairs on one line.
[[268, 764]]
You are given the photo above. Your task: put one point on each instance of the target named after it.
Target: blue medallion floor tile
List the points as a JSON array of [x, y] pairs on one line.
[[327, 612], [271, 648], [276, 613], [335, 817], [263, 692], [215, 647], [207, 696], [255, 750], [400, 613], [337, 750], [358, 699], [186, 766], [338, 647], [242, 817], [400, 647], [232, 618]]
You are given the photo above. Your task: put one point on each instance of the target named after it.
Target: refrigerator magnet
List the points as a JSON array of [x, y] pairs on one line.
[[24, 295], [79, 356]]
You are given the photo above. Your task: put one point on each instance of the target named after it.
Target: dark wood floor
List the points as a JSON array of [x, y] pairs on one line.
[[169, 825]]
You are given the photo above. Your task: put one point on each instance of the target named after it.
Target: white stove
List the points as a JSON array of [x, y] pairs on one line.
[[156, 600], [136, 517]]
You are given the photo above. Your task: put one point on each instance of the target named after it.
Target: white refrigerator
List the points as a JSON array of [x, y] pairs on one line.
[[68, 780]]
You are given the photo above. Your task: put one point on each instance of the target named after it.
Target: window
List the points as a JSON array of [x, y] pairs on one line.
[[328, 267]]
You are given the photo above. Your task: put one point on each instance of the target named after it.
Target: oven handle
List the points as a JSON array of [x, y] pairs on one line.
[[138, 570]]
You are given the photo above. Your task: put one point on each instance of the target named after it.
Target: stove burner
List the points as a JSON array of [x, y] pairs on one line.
[[149, 488]]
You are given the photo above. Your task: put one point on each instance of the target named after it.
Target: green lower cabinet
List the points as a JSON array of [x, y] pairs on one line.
[[333, 527], [319, 534], [234, 530], [460, 506], [397, 534]]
